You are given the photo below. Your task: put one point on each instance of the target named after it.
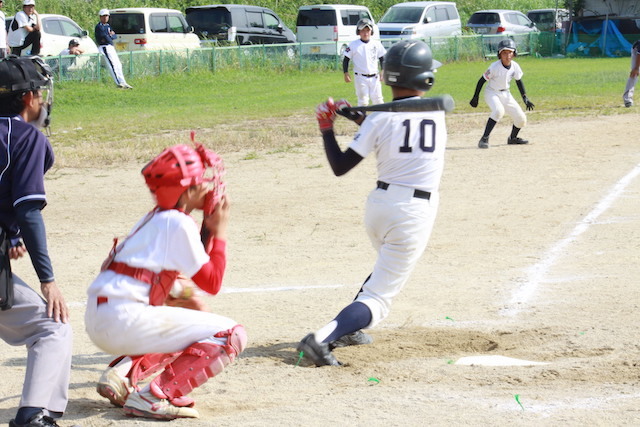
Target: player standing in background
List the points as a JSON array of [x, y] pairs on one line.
[[400, 212], [498, 96], [3, 32], [125, 312], [104, 38], [365, 54], [26, 319], [627, 97], [25, 30]]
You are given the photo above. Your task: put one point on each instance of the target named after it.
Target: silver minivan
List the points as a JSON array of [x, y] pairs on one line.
[[331, 26], [419, 20]]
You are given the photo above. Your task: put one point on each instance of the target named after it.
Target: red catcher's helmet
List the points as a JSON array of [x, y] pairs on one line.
[[172, 172]]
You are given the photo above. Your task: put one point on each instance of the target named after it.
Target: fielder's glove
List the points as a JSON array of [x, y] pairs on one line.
[[355, 116], [474, 102], [326, 115], [528, 103]]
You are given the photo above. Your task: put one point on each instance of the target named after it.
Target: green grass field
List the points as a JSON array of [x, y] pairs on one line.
[[91, 116]]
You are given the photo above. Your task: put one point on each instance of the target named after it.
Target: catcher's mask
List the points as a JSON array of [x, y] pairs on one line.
[[180, 167]]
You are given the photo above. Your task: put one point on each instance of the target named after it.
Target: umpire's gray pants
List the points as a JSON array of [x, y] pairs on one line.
[[49, 349]]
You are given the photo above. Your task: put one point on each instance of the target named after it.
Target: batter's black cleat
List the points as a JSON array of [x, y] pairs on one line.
[[38, 420], [356, 338], [484, 142], [516, 141], [318, 353]]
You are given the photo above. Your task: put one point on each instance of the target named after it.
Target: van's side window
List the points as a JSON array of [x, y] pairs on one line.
[[158, 23], [350, 17], [255, 19], [430, 16], [175, 24], [452, 12], [271, 21], [441, 14]]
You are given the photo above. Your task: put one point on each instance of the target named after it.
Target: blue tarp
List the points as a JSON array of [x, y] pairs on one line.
[[611, 42]]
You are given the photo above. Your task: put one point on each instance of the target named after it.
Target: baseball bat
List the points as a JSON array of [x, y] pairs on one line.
[[436, 103]]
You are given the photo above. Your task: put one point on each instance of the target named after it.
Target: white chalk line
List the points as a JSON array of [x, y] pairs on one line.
[[537, 273]]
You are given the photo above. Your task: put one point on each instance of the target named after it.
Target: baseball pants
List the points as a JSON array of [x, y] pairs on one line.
[[49, 348], [122, 326], [113, 63], [368, 88], [399, 226], [631, 81], [501, 102]]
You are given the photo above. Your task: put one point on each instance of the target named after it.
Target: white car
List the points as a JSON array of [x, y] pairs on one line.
[[56, 32]]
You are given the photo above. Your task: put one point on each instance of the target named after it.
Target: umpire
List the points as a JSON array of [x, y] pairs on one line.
[[26, 318]]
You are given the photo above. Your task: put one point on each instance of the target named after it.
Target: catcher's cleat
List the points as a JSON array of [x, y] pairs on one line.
[[516, 141], [38, 420], [145, 404], [356, 338], [114, 387], [318, 353], [484, 142]]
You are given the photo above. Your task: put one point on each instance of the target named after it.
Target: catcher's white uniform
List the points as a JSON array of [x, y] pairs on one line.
[[401, 211]]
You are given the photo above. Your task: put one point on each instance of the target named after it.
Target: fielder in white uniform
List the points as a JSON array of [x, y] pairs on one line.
[[125, 314], [104, 38], [365, 53], [498, 96], [401, 210], [627, 97]]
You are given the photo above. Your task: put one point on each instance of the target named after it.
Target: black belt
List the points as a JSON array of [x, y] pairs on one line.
[[416, 193], [365, 75]]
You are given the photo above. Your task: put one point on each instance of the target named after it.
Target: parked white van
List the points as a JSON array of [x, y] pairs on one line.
[[329, 23], [150, 28], [419, 20]]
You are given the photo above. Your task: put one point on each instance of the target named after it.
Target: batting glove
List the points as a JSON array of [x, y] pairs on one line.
[[474, 102], [528, 103], [326, 115], [356, 116]]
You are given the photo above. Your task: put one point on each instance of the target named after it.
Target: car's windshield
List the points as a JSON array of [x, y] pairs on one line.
[[402, 15], [542, 17], [317, 17], [484, 18], [212, 21]]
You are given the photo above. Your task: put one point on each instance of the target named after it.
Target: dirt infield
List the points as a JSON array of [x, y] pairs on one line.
[[534, 256]]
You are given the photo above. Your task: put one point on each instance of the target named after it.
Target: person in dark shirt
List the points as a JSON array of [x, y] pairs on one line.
[[104, 38]]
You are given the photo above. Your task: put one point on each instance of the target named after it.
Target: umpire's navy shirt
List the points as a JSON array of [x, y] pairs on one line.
[[25, 156]]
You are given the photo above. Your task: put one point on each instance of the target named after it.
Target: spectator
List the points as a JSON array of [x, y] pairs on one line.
[[3, 33], [104, 37], [25, 30], [627, 97], [73, 49]]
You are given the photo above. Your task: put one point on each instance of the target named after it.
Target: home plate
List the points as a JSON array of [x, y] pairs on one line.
[[495, 361]]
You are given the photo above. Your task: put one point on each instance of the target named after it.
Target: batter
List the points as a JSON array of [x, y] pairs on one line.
[[401, 210], [498, 96], [365, 54]]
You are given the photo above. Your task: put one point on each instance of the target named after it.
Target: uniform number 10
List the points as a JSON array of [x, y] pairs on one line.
[[427, 146]]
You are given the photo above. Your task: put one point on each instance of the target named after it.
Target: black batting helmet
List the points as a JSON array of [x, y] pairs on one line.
[[409, 64], [23, 74], [364, 22], [507, 44]]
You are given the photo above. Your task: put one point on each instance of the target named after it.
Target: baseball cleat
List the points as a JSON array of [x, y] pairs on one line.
[[628, 104], [356, 338], [38, 420], [114, 387], [484, 142], [318, 353], [516, 141], [145, 404]]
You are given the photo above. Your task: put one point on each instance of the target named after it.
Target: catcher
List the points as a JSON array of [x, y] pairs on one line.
[[498, 96], [126, 312]]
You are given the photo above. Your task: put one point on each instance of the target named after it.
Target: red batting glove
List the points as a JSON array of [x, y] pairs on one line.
[[326, 115]]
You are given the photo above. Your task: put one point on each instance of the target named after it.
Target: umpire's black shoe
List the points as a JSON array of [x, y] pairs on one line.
[[318, 353], [516, 141], [356, 338], [38, 420]]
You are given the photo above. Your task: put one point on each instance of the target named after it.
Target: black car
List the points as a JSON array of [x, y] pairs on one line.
[[240, 23]]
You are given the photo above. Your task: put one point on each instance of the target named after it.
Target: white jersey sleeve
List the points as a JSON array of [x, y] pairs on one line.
[[409, 147]]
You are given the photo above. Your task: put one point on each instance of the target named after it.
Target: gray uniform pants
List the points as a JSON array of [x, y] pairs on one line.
[[49, 348], [627, 96]]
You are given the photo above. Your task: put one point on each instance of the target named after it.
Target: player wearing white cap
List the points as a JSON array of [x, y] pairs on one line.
[[365, 53], [104, 37]]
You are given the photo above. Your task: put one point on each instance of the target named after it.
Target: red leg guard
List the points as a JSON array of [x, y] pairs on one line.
[[196, 364], [148, 364]]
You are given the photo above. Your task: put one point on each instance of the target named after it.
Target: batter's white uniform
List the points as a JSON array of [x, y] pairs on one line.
[[629, 89], [366, 58], [126, 323], [409, 148], [498, 96]]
